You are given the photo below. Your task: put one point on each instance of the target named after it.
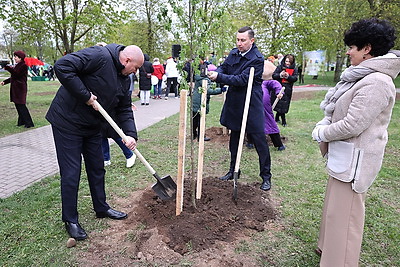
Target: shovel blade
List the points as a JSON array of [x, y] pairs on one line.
[[165, 187]]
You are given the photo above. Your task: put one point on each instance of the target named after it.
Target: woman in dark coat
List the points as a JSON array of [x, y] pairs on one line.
[[19, 88], [286, 73], [145, 80]]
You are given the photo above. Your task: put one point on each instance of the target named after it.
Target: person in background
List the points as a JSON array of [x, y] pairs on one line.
[[19, 88], [235, 72], [269, 87], [172, 77], [286, 74], [92, 74], [108, 132], [145, 80], [270, 127], [300, 72], [187, 67], [197, 103], [158, 72], [271, 59], [357, 113]]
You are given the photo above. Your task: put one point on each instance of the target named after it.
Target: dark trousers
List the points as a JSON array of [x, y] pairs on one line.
[[282, 116], [24, 117], [172, 83], [261, 145], [276, 139], [196, 125], [69, 149]]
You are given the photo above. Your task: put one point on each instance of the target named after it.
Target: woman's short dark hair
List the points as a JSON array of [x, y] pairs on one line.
[[378, 33]]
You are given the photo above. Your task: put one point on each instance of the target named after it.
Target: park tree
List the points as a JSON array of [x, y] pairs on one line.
[[307, 20], [271, 20], [386, 9], [148, 25], [64, 21], [201, 27], [339, 16], [10, 38]]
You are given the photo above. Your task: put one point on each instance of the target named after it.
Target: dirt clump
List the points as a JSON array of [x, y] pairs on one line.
[[215, 218], [205, 235]]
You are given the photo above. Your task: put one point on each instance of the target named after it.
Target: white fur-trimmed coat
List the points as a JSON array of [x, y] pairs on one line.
[[358, 134]]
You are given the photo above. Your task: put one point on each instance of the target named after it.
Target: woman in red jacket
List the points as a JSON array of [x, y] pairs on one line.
[[158, 72], [19, 88]]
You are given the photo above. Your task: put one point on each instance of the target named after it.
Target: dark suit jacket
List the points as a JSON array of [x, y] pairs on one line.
[[235, 72], [94, 69]]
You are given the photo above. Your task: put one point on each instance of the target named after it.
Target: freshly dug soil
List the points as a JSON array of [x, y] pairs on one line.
[[205, 235]]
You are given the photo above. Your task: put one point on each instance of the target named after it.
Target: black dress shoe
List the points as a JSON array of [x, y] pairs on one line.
[[228, 176], [112, 214], [266, 185], [207, 139], [75, 231]]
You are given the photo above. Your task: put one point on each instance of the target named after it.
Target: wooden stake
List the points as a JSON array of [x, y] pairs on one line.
[[224, 129], [200, 158], [181, 152]]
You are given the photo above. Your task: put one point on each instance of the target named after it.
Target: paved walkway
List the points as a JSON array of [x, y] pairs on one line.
[[30, 156]]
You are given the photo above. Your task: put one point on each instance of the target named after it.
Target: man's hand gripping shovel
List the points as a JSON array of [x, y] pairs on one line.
[[165, 187]]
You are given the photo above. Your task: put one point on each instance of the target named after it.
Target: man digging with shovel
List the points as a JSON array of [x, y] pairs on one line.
[[235, 72], [94, 73]]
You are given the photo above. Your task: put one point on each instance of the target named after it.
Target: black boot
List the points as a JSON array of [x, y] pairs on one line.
[[277, 117], [266, 184], [283, 116]]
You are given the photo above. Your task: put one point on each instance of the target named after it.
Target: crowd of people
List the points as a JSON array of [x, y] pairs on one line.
[[352, 134]]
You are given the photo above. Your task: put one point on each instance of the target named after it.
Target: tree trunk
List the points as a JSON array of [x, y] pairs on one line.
[[338, 67]]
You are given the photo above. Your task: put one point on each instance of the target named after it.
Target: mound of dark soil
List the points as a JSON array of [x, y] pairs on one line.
[[215, 218]]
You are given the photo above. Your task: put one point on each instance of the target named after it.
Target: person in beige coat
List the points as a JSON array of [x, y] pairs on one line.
[[353, 135]]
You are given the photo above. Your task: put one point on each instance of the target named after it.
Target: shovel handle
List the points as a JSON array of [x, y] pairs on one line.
[[277, 99], [244, 119], [123, 136]]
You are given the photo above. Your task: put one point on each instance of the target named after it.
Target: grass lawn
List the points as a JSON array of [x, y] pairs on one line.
[[326, 78], [32, 233], [40, 95]]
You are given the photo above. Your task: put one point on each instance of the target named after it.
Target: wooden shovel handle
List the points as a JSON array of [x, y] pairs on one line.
[[277, 99], [123, 136], [244, 119]]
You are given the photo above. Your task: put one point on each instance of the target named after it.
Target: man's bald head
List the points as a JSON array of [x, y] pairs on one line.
[[132, 58]]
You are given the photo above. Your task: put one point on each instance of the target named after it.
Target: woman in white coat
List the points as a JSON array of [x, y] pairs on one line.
[[353, 136]]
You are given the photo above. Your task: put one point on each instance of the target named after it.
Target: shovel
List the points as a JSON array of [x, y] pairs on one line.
[[165, 187], [277, 99], [242, 132]]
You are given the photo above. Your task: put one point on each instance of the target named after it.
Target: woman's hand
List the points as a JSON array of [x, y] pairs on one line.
[[284, 74], [2, 83]]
